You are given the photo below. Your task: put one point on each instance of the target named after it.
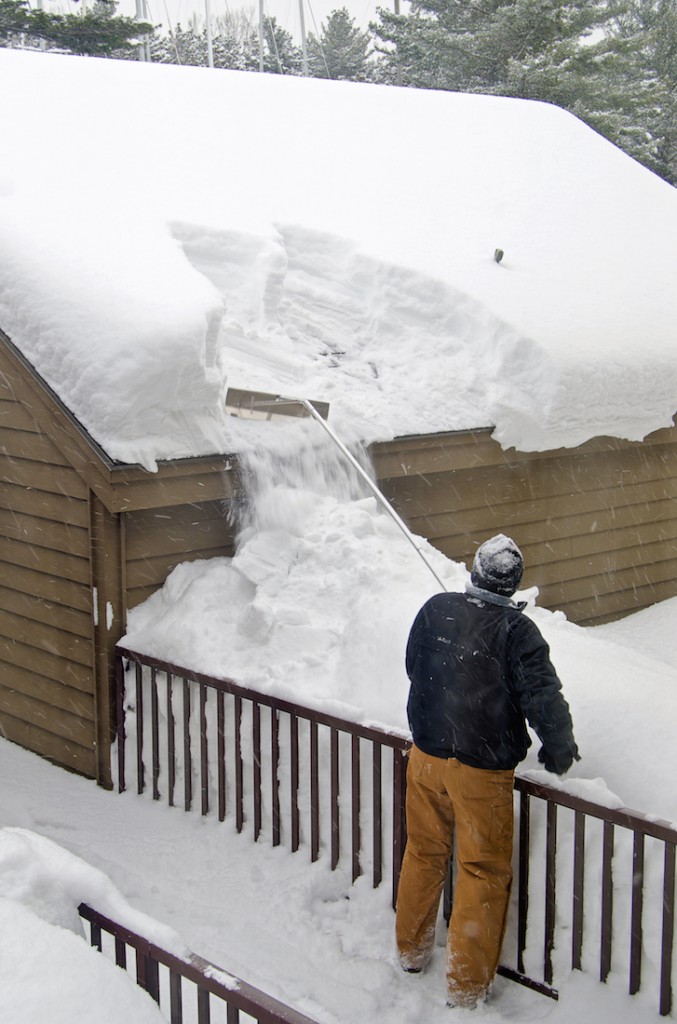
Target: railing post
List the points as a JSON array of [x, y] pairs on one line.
[[148, 974]]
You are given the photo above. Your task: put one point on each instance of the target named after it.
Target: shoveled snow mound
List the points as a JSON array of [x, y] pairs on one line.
[[198, 229], [316, 607]]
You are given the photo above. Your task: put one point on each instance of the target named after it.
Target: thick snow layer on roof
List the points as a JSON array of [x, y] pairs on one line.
[[167, 232]]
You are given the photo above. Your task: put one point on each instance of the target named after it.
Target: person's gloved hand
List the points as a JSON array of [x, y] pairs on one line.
[[560, 760]]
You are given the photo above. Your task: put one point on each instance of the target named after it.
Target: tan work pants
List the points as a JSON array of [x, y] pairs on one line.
[[444, 796]]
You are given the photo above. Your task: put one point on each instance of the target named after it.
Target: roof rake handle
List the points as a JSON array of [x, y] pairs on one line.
[[378, 494]]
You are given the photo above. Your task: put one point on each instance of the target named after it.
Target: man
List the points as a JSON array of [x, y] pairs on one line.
[[478, 668]]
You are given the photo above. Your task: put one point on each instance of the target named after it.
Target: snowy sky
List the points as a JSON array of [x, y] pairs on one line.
[[204, 229]]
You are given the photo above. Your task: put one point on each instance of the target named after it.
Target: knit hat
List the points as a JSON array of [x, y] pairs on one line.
[[498, 566]]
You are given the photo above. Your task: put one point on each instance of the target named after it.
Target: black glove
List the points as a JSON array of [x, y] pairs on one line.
[[559, 760]]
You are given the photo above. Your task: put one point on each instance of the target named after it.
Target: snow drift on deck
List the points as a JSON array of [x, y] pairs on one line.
[[167, 232]]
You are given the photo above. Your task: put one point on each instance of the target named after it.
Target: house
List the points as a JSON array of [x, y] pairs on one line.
[[533, 395]]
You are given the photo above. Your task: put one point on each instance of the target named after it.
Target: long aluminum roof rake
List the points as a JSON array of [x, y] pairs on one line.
[[262, 406]]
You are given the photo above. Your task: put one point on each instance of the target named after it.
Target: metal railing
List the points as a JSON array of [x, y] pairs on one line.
[[193, 733], [631, 859], [168, 978], [216, 739]]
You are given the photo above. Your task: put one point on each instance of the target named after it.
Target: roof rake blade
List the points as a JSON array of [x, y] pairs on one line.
[[258, 405]]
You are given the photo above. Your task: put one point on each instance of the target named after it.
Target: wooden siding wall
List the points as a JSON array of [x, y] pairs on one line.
[[47, 684], [597, 524], [157, 539]]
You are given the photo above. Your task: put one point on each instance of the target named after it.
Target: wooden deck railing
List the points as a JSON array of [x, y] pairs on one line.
[[280, 769], [173, 982]]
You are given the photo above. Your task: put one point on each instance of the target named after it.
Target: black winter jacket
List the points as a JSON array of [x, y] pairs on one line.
[[478, 667]]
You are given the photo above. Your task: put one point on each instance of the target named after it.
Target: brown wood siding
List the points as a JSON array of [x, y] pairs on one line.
[[27, 403], [597, 524], [157, 540], [47, 701]]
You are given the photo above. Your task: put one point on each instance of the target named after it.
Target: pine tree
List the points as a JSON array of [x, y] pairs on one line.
[[614, 64], [281, 55], [483, 45], [342, 50], [14, 20], [96, 32]]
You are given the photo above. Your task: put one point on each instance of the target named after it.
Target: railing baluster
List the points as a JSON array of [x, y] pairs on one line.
[[256, 743], [579, 891], [550, 890], [120, 953], [294, 782], [607, 901], [239, 780], [523, 877], [140, 780], [637, 909], [334, 798], [208, 980], [187, 753], [221, 752], [275, 774], [95, 936], [399, 816], [356, 805], [314, 793], [204, 752], [171, 741], [377, 814], [203, 1010], [155, 733], [121, 732], [175, 998], [668, 929]]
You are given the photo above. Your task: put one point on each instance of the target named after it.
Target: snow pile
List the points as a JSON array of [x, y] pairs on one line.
[[47, 970], [201, 229]]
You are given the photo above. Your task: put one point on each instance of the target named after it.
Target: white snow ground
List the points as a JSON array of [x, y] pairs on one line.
[[292, 928], [167, 232]]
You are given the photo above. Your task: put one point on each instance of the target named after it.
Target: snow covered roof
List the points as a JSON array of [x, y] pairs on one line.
[[167, 232]]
